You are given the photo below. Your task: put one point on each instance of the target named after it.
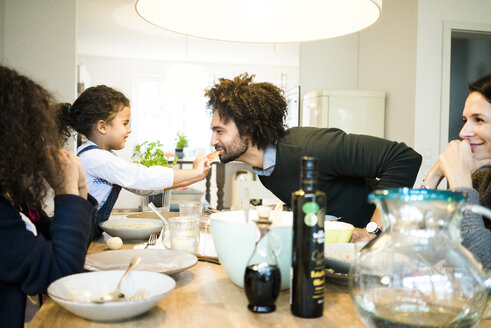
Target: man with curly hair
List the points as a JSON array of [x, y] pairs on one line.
[[248, 126]]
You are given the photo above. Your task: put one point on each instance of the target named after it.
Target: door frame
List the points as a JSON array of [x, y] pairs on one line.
[[448, 28]]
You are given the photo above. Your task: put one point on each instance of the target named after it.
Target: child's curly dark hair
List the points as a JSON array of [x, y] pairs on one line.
[[96, 103], [29, 140], [258, 109]]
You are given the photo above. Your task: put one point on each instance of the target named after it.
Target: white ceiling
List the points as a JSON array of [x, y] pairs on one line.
[[111, 28]]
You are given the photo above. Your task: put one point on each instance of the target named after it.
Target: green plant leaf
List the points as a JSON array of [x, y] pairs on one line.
[[150, 154]]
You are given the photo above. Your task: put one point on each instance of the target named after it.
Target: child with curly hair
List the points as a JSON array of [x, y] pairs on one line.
[[35, 249], [102, 114]]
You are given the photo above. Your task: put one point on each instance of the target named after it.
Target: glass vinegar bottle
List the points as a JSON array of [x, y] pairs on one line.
[[262, 278]]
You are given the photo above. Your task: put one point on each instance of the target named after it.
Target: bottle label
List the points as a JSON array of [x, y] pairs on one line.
[[310, 209], [318, 275]]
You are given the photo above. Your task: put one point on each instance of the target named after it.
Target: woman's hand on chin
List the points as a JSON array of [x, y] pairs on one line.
[[458, 164], [73, 176]]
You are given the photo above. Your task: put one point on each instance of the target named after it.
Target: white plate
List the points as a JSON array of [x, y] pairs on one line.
[[339, 256], [166, 261], [131, 233]]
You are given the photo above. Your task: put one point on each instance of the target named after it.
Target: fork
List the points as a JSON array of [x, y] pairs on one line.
[[140, 294], [152, 240]]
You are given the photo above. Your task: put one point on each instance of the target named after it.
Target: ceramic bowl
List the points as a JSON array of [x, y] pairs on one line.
[[131, 229], [76, 292], [235, 241], [337, 232]]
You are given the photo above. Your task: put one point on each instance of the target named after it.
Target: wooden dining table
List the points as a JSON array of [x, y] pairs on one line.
[[204, 296]]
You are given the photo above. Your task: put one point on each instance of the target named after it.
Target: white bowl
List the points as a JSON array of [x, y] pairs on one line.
[[75, 293], [235, 241], [337, 232], [131, 229]]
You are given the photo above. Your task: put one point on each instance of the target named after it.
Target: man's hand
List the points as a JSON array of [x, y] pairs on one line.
[[361, 235]]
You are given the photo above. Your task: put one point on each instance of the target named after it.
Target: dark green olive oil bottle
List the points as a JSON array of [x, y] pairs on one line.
[[308, 275]]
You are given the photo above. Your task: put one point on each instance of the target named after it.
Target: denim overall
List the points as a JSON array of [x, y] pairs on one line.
[[105, 211]]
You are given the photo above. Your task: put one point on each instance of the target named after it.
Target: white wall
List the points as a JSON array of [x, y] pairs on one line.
[[428, 98], [39, 41], [329, 64], [388, 63], [119, 73], [381, 57]]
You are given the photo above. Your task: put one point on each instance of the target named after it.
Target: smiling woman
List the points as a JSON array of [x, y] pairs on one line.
[[465, 164]]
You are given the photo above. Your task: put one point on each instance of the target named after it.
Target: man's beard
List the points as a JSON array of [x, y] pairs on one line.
[[234, 151]]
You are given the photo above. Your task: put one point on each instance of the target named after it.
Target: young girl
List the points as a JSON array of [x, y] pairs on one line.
[[102, 114], [34, 249]]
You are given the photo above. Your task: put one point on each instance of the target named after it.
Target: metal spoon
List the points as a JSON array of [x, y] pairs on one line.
[[117, 295], [245, 202], [153, 208], [277, 213]]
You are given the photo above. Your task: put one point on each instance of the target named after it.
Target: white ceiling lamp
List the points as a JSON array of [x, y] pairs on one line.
[[261, 21]]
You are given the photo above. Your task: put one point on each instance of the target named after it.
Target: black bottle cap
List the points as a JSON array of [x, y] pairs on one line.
[[309, 168]]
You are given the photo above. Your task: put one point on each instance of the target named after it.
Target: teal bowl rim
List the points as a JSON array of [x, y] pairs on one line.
[[417, 194]]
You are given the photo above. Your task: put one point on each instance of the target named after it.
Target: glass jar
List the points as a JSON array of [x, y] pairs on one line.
[[416, 273]]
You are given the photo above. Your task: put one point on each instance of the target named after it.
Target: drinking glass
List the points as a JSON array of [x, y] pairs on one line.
[[190, 209], [184, 233]]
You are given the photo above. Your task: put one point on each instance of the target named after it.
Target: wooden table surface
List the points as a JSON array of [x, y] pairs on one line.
[[205, 297]]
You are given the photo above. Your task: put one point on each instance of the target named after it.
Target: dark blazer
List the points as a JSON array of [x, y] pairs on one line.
[[350, 167], [28, 263]]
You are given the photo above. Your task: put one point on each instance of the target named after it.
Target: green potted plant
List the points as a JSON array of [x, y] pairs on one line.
[[150, 154], [182, 142]]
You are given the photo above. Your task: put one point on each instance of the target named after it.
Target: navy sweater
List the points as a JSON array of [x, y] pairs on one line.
[[28, 263]]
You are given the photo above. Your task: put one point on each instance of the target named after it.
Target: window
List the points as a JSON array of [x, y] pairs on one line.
[[157, 115]]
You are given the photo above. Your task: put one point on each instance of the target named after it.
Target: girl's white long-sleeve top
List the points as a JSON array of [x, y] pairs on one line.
[[104, 168]]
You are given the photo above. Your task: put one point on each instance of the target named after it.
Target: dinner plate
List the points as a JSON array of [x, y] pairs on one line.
[[337, 278], [339, 256], [166, 261], [131, 229]]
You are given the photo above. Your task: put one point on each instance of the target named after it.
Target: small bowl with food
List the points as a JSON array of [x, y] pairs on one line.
[[337, 232], [131, 229]]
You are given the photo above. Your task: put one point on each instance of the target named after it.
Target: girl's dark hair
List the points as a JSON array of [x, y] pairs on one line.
[[94, 104], [483, 86], [29, 140], [258, 109]]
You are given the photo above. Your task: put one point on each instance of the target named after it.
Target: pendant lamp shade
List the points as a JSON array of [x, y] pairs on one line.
[[261, 21]]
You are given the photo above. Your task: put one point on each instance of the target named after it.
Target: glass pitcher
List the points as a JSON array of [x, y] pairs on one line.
[[416, 273]]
